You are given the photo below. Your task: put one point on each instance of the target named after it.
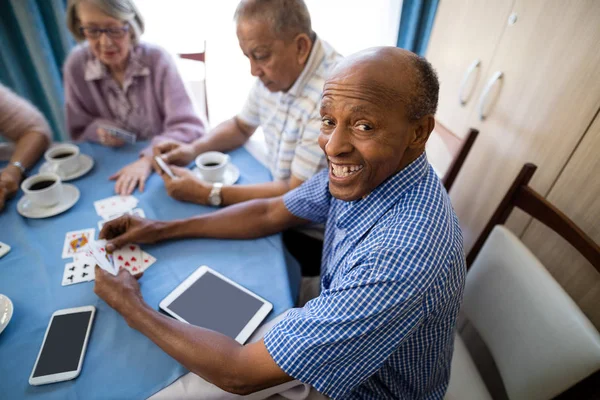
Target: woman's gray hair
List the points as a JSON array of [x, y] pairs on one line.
[[124, 10]]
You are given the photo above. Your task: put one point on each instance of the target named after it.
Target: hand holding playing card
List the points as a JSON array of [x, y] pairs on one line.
[[107, 139], [119, 292], [185, 186], [174, 152], [129, 229]]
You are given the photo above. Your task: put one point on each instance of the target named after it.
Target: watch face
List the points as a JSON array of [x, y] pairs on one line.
[[214, 198]]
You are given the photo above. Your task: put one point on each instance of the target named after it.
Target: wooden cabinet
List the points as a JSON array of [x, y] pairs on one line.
[[577, 194], [461, 47], [548, 54]]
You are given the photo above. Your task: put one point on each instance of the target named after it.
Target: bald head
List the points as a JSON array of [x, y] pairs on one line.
[[389, 75]]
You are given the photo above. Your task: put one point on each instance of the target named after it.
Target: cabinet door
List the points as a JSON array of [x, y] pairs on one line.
[[577, 194], [464, 31], [546, 100]]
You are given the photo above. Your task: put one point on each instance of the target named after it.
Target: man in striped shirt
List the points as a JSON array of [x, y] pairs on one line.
[[393, 263], [291, 64]]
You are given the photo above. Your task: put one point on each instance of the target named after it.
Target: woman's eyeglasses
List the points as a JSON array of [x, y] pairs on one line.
[[113, 33]]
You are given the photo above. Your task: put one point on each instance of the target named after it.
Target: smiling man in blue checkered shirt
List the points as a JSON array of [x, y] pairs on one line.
[[393, 267]]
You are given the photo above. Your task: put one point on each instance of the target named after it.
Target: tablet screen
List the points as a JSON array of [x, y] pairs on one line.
[[64, 343], [213, 303]]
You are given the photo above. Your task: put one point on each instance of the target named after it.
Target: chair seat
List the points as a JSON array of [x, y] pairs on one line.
[[465, 381]]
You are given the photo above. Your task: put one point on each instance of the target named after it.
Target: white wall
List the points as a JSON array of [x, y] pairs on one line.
[[182, 26]]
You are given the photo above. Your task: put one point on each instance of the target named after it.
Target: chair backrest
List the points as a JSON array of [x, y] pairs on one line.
[[459, 149], [524, 197], [201, 57], [540, 340]]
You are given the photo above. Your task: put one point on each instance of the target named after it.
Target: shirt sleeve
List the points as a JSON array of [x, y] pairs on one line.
[[309, 158], [181, 121], [311, 200], [18, 116], [345, 335], [250, 112]]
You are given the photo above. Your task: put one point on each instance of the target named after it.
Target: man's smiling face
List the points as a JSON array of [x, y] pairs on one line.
[[365, 132]]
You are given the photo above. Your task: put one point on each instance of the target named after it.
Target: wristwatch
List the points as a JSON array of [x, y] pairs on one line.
[[214, 198], [20, 167]]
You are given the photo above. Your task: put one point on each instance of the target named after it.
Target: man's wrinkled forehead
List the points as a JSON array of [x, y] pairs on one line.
[[362, 86]]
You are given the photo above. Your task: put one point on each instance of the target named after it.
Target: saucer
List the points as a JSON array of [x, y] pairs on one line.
[[231, 175], [6, 311], [86, 163], [70, 197]]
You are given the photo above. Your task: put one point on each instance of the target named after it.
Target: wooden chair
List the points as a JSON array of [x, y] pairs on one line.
[[458, 148], [201, 57], [541, 342]]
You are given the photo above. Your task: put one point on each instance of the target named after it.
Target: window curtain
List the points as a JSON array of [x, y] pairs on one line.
[[416, 22], [34, 42]]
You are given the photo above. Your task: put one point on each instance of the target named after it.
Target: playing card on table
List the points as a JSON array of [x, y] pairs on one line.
[[128, 257], [81, 270], [111, 206], [104, 260], [77, 241]]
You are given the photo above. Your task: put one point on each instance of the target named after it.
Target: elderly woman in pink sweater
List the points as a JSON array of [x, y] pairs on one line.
[[23, 124], [114, 81]]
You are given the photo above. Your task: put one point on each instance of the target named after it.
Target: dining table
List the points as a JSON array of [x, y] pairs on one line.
[[120, 362]]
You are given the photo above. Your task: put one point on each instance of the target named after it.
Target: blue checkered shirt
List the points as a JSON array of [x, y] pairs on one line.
[[392, 280]]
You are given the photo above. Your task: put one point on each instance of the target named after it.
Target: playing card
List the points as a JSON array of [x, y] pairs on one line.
[[77, 241], [4, 249], [136, 211], [125, 136], [128, 257], [114, 205], [103, 258], [79, 271], [147, 260]]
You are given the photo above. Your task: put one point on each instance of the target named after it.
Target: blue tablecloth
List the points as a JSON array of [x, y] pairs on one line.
[[120, 362]]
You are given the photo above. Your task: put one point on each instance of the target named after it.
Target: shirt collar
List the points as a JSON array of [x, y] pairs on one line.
[[314, 60], [384, 196], [95, 70]]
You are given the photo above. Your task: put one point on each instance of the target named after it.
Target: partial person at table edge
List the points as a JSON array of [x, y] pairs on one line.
[[116, 81], [290, 63], [23, 124], [393, 266]]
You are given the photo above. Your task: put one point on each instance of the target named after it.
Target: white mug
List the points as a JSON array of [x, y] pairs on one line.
[[212, 165], [43, 190], [63, 158]]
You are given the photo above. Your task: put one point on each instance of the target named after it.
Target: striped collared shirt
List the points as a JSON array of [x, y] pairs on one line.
[[393, 273], [291, 121]]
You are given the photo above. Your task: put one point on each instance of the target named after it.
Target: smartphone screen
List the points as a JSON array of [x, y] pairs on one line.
[[64, 344]]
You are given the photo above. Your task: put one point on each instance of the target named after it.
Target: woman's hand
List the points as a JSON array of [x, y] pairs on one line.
[[107, 139], [132, 176]]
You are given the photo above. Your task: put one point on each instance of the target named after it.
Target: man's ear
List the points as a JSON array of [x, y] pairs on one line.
[[422, 129], [303, 47]]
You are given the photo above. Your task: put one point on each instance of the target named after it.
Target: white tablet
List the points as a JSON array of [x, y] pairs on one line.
[[212, 301]]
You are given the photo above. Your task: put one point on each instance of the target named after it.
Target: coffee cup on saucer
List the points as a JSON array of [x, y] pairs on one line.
[[43, 190], [63, 159], [212, 165]]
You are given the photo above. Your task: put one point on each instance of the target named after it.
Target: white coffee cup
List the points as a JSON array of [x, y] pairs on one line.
[[63, 158], [46, 194], [212, 165]]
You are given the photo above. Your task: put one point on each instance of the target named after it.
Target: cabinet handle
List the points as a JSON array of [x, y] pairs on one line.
[[474, 66], [486, 91]]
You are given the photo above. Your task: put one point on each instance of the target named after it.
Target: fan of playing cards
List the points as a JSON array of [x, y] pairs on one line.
[[87, 252]]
